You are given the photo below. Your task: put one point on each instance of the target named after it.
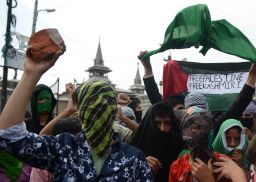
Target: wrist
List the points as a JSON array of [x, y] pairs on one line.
[[31, 77]]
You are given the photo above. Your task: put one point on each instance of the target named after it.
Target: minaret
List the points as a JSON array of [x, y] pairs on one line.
[[137, 87], [98, 71]]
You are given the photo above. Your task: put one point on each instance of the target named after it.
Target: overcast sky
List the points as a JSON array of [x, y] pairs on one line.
[[125, 27]]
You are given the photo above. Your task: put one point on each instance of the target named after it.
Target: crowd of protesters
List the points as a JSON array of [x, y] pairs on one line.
[[102, 135]]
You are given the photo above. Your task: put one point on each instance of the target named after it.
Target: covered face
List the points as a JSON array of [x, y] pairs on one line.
[[248, 118], [159, 136], [162, 117], [198, 144], [97, 107], [43, 101]]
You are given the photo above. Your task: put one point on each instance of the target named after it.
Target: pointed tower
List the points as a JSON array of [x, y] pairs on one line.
[[98, 71], [137, 87]]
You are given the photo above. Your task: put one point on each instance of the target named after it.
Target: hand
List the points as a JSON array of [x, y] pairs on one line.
[[237, 156], [228, 169], [70, 88], [146, 64], [253, 68], [154, 164], [39, 67], [123, 99], [249, 133], [201, 171], [72, 106]]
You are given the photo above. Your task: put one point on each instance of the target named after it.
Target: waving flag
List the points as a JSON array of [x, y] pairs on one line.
[[192, 26]]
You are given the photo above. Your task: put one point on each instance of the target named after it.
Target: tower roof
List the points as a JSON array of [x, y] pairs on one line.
[[99, 59], [137, 79], [98, 71], [137, 87]]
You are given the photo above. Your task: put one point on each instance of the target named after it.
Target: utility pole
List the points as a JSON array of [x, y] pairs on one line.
[[35, 17], [10, 20], [36, 11]]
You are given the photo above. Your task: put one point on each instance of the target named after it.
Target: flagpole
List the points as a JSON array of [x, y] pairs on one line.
[[8, 39]]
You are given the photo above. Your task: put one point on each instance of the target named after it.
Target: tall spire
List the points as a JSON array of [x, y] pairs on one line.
[[137, 79], [98, 71], [98, 59], [137, 87]]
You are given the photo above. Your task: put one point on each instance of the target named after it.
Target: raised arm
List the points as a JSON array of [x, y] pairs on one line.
[[122, 100], [14, 110], [149, 81], [238, 107]]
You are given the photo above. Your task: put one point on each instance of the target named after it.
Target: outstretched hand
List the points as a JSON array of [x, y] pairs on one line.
[[39, 67], [123, 99], [72, 105], [227, 168], [146, 63], [154, 164], [202, 171]]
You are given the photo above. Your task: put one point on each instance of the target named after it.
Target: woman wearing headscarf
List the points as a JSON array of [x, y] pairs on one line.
[[159, 137], [232, 141]]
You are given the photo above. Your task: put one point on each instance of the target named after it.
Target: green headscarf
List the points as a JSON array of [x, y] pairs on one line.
[[220, 145], [97, 107], [45, 105], [192, 26], [11, 166]]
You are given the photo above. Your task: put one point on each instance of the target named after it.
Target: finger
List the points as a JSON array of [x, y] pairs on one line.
[[224, 159], [196, 164], [218, 164], [193, 171], [152, 167], [217, 170], [199, 161], [157, 162], [220, 176], [210, 164]]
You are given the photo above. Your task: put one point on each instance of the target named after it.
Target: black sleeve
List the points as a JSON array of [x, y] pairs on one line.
[[237, 108], [152, 90]]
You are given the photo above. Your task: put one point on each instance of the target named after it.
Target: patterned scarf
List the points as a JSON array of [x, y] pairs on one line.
[[97, 106], [196, 99]]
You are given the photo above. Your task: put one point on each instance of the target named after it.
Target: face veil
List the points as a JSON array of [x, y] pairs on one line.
[[97, 106]]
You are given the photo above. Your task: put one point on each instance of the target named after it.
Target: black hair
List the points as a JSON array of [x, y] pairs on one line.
[[247, 122], [176, 99], [134, 102], [69, 125], [162, 110], [235, 127]]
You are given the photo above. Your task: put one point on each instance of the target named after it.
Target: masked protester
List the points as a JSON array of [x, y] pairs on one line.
[[248, 120], [42, 106], [94, 154], [199, 152], [135, 105], [159, 137]]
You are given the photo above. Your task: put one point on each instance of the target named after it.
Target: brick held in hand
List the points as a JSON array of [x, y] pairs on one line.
[[43, 45]]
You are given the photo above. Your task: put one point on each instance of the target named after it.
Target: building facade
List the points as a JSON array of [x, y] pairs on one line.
[[100, 72]]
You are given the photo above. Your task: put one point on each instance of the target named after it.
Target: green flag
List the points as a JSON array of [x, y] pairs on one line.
[[193, 27]]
